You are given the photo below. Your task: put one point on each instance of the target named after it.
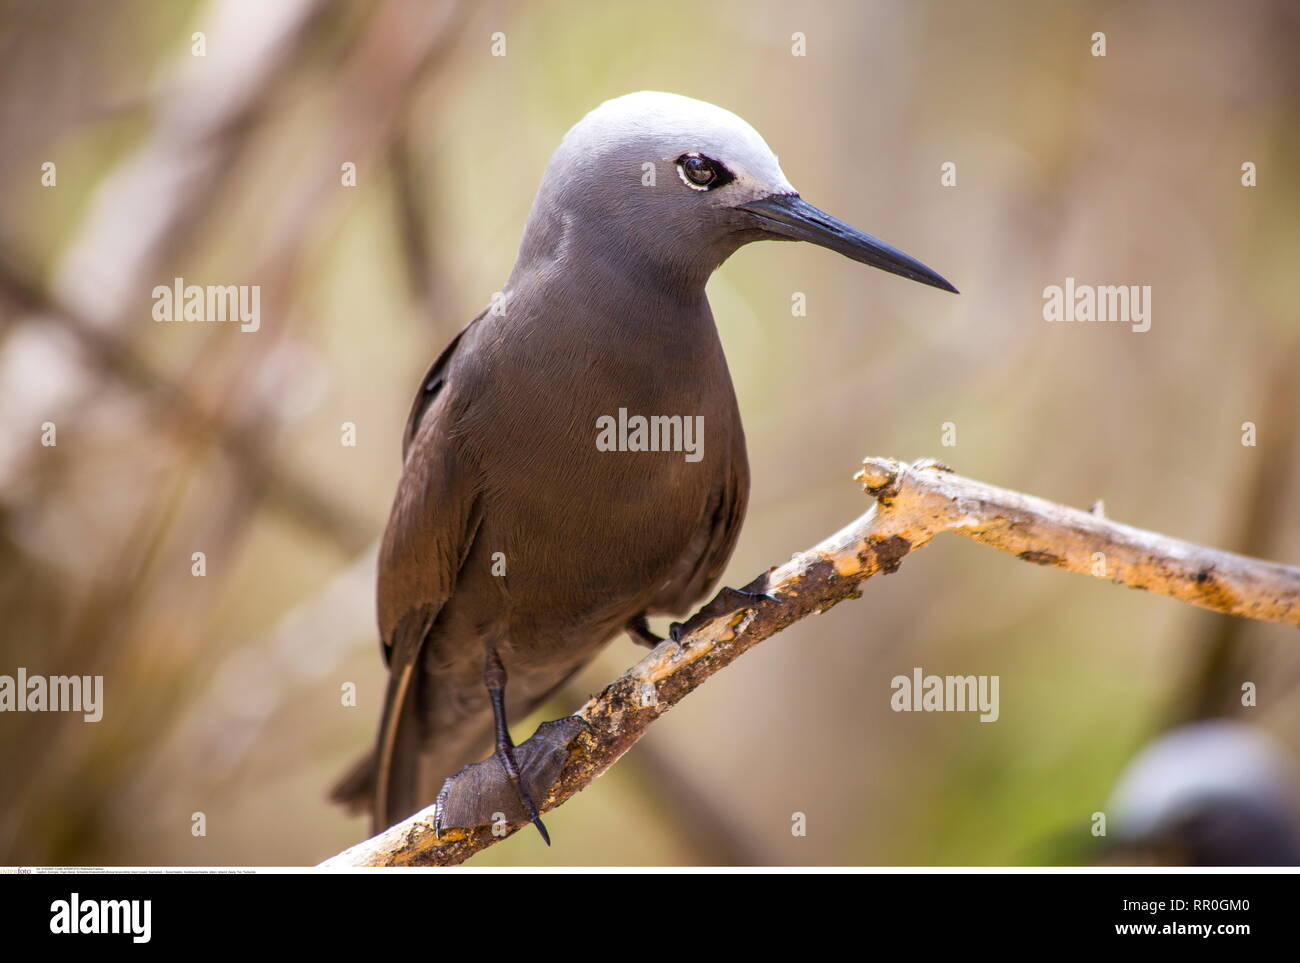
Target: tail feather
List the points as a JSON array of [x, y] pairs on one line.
[[426, 735], [419, 773], [415, 772]]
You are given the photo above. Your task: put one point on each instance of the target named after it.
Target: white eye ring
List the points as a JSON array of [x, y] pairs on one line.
[[686, 180]]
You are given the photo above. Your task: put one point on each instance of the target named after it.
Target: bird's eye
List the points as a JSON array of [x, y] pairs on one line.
[[701, 173]]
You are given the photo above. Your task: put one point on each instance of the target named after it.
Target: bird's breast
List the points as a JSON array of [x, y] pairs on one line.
[[597, 465]]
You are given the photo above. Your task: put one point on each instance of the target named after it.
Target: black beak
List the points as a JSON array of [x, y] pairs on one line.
[[790, 216]]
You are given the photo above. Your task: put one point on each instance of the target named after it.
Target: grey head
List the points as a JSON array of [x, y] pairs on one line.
[[666, 188]]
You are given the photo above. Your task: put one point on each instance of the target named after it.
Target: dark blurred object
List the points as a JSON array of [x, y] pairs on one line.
[[1208, 794]]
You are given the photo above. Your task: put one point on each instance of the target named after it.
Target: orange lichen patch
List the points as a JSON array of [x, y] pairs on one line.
[[849, 564], [656, 667], [1210, 591]]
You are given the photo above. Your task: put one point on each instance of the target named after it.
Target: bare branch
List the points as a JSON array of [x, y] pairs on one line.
[[913, 505]]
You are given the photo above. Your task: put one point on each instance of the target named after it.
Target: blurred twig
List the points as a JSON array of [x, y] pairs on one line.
[[299, 498], [412, 218], [157, 212], [713, 834], [1214, 688], [914, 504], [190, 154], [155, 203]]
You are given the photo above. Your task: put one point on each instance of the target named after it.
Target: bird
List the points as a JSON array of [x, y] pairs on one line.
[[1215, 792], [522, 539]]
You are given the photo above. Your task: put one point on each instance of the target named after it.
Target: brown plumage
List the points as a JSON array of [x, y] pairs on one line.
[[605, 310]]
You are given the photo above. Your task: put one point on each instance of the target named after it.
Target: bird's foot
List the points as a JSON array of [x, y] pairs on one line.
[[440, 809], [727, 601], [494, 677], [482, 794], [525, 798], [506, 757]]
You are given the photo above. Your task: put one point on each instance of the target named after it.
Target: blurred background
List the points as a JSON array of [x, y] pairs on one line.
[[223, 693]]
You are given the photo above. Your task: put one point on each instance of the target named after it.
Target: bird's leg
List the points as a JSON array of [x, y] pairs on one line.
[[638, 629], [494, 677], [727, 600]]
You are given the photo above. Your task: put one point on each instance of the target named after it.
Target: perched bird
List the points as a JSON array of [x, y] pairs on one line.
[[1210, 793], [521, 539]]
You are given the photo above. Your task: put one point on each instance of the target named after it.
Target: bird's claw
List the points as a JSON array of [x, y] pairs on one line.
[[530, 810], [440, 807], [541, 828], [483, 792], [511, 767], [727, 601], [733, 600]]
